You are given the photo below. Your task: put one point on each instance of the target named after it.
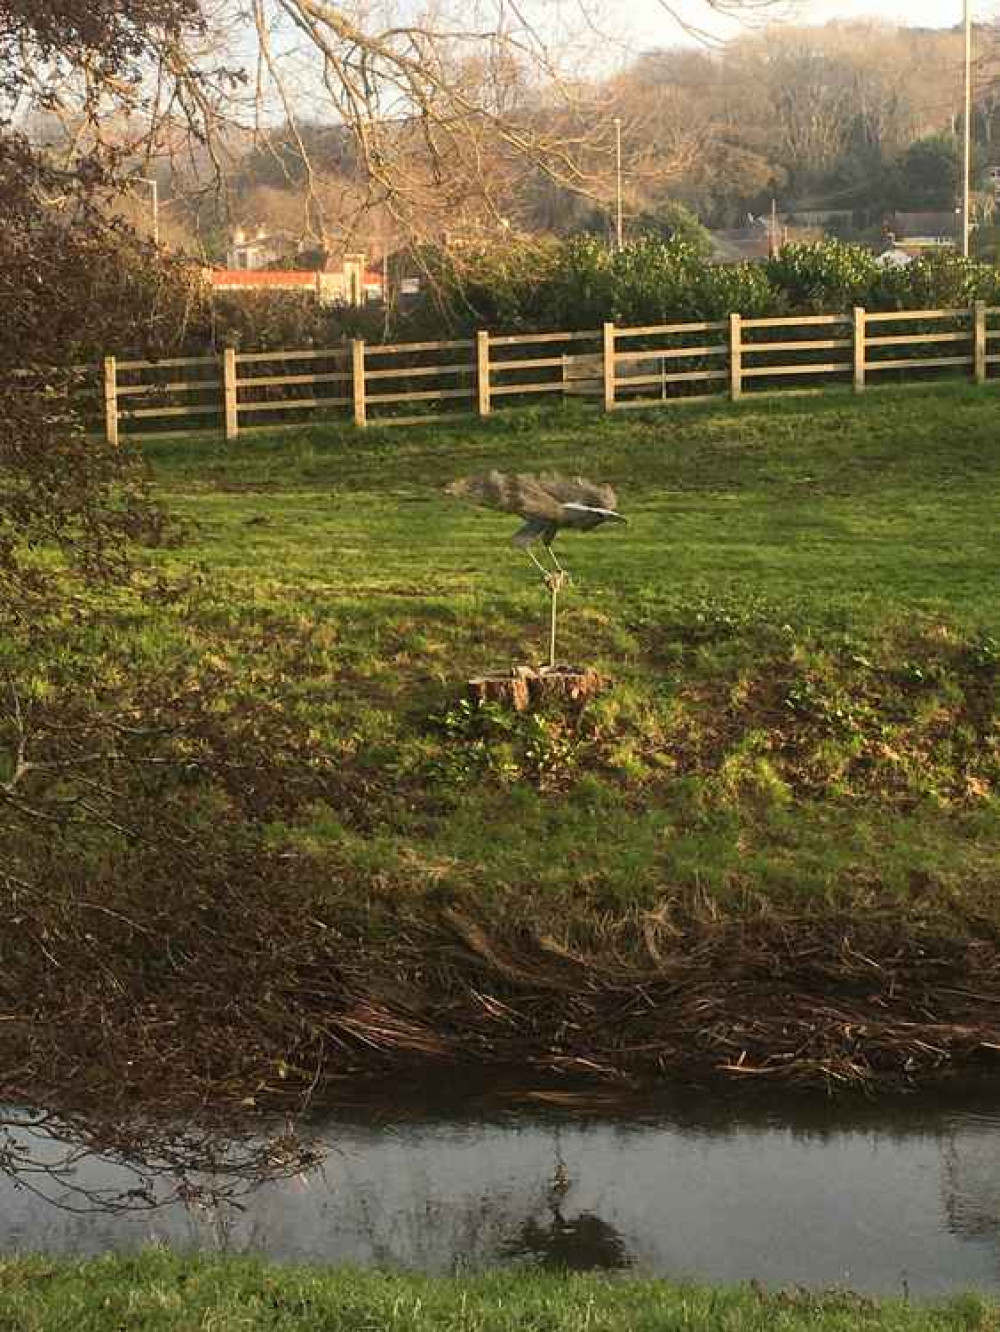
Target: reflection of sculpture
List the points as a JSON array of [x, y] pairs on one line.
[[583, 1243], [971, 1185]]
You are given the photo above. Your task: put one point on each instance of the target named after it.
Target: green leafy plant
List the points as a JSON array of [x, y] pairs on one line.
[[826, 276]]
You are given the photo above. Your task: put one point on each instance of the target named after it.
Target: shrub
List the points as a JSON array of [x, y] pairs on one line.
[[938, 280], [496, 286], [671, 220], [539, 283], [745, 289], [545, 283], [274, 320], [828, 276], [581, 291], [654, 281], [579, 283]]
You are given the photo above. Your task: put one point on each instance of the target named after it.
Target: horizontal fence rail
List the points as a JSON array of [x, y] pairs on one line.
[[646, 366]]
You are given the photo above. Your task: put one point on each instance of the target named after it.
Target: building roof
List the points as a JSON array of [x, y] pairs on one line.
[[732, 247], [282, 279], [262, 277], [937, 223]]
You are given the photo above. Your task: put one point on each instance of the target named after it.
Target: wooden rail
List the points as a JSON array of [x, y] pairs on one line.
[[649, 365]]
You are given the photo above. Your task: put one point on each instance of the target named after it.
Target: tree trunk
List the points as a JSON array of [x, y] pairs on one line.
[[524, 688]]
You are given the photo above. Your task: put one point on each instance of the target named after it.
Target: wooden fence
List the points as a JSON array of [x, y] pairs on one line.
[[621, 367]]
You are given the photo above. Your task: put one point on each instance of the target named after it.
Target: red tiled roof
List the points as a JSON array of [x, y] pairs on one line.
[[279, 279], [261, 277]]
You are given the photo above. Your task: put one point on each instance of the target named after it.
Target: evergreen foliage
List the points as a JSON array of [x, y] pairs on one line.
[[544, 283]]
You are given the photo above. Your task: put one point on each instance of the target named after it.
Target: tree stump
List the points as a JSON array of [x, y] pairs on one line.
[[525, 688]]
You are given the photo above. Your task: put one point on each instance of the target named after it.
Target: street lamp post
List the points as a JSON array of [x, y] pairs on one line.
[[619, 242], [155, 202], [967, 129]]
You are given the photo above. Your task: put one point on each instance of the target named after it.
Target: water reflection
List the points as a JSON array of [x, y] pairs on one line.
[[580, 1243], [879, 1198], [142, 1165], [970, 1180]]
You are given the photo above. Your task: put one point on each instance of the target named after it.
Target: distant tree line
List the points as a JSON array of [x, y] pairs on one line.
[[854, 120]]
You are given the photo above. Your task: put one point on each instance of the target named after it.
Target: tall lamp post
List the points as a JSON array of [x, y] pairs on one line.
[[967, 130], [619, 242], [155, 202]]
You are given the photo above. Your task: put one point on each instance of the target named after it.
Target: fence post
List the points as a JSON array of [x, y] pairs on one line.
[[859, 349], [735, 357], [358, 381], [110, 400], [609, 367], [230, 391], [483, 370], [979, 341]]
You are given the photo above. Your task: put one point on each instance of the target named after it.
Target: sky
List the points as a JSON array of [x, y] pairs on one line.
[[652, 26]]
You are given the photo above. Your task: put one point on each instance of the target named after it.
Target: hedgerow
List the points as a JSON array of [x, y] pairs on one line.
[[577, 284]]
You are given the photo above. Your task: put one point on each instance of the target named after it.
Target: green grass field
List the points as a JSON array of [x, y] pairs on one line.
[[315, 859], [162, 1293], [801, 623]]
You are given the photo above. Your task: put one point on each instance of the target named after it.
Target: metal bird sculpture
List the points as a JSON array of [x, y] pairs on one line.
[[548, 503]]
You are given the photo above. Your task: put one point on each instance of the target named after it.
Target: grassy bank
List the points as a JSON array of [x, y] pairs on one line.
[[162, 1293], [771, 846]]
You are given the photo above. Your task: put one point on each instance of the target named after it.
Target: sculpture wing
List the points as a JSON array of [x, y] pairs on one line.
[[510, 492], [577, 490]]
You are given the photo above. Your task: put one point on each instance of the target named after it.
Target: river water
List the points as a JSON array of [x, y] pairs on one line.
[[884, 1198]]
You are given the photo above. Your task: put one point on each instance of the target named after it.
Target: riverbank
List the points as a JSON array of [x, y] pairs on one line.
[[261, 849], [164, 1293]]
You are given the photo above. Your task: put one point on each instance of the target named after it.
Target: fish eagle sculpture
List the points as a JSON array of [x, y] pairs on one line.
[[548, 503]]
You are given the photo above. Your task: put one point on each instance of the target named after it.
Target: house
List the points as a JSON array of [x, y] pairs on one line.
[[925, 229], [760, 238], [250, 252], [823, 219], [264, 279], [349, 282]]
